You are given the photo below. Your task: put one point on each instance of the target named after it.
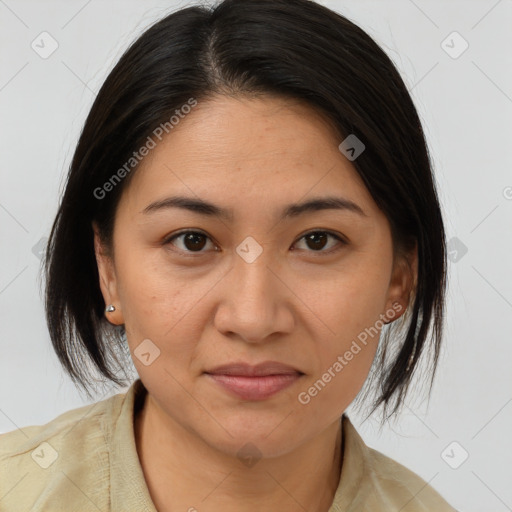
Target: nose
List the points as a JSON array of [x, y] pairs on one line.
[[255, 301]]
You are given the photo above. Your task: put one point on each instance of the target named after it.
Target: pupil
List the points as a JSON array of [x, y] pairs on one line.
[[192, 237], [311, 238]]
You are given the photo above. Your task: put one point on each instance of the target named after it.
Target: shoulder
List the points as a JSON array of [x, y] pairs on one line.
[[403, 487], [383, 483], [67, 457]]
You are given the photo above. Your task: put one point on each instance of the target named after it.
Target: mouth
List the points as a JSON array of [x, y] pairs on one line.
[[257, 382]]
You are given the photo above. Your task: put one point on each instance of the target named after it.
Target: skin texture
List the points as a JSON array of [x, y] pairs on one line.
[[298, 303]]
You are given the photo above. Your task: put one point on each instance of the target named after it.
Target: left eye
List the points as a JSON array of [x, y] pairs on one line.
[[194, 241]]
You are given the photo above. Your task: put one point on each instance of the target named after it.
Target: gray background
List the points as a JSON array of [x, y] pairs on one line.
[[465, 102]]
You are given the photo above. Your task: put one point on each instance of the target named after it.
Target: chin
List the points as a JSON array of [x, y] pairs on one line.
[[243, 437]]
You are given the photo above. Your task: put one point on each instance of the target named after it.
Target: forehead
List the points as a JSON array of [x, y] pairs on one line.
[[253, 129], [237, 150]]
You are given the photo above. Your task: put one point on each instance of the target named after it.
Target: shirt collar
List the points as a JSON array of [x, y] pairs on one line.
[[128, 486], [353, 468]]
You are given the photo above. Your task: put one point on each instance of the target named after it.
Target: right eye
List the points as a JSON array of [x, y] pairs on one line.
[[191, 241]]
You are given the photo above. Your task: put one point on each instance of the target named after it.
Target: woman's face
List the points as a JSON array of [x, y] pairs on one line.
[[251, 286]]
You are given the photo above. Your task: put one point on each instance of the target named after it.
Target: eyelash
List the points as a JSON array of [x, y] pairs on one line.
[[342, 242]]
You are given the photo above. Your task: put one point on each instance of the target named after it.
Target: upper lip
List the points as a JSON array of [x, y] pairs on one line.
[[259, 370]]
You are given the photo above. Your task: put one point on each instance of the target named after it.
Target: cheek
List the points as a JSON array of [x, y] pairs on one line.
[[346, 340], [327, 395], [343, 356], [348, 300], [155, 304], [171, 308]]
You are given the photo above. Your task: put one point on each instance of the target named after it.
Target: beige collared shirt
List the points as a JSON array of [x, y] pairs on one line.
[[86, 460]]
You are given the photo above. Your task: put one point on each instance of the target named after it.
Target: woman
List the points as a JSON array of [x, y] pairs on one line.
[[251, 211]]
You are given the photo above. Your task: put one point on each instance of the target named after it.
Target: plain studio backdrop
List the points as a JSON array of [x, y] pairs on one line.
[[455, 57]]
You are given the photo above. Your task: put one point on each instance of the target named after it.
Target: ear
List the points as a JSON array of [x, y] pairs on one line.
[[107, 278], [402, 285]]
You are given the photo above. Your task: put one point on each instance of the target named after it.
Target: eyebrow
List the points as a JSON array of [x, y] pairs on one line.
[[290, 211]]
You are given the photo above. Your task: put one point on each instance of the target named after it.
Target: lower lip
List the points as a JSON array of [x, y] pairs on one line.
[[255, 388]]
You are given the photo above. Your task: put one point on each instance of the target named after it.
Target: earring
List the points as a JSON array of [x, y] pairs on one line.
[[110, 308]]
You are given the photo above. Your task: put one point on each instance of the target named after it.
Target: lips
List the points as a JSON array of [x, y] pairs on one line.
[[257, 382], [260, 370]]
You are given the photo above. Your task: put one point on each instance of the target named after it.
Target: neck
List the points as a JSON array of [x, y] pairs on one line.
[[183, 472]]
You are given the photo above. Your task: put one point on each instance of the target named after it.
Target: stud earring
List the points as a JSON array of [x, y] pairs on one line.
[[110, 308]]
